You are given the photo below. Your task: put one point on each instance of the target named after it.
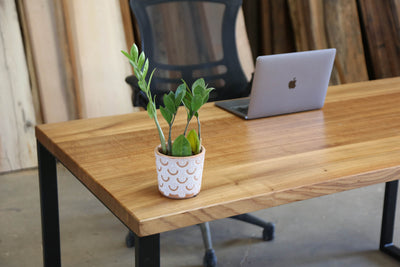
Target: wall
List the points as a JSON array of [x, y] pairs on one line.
[[66, 64]]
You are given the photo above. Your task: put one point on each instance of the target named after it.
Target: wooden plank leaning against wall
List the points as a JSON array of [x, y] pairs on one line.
[[291, 25], [381, 21], [17, 115], [57, 102], [96, 36], [76, 69], [324, 24], [94, 83], [79, 75]]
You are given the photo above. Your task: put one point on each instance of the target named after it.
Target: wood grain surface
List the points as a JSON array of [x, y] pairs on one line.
[[95, 39], [17, 115], [49, 69], [354, 141], [381, 22], [324, 24]]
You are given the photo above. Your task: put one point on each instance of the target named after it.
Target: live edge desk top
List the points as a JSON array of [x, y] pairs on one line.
[[354, 141]]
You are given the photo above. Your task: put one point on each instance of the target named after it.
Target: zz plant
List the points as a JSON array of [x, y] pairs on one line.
[[187, 143]]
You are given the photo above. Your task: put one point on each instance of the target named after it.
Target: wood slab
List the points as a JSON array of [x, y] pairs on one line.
[[381, 21], [17, 116], [243, 46], [96, 37], [326, 24], [127, 23], [49, 68], [354, 141], [30, 61]]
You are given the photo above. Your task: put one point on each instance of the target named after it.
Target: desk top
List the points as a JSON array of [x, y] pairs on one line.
[[354, 141]]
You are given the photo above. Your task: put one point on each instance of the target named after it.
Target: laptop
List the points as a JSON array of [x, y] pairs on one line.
[[285, 83]]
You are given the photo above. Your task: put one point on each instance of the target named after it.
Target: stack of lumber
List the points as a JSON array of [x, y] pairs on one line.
[[66, 63], [76, 70], [381, 24], [17, 115], [291, 25]]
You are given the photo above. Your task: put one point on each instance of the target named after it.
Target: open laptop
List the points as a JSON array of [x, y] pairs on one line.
[[285, 83]]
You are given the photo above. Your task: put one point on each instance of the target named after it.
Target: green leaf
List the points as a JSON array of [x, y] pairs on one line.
[[187, 87], [180, 94], [207, 96], [142, 85], [181, 147], [151, 110], [203, 91], [208, 90], [199, 82], [197, 102], [134, 52], [194, 141], [205, 99], [154, 101], [145, 68], [141, 60], [187, 101], [151, 77], [136, 71], [188, 96], [169, 102], [126, 54], [199, 91], [166, 114]]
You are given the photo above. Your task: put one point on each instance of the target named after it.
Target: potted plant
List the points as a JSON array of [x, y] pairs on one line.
[[179, 163]]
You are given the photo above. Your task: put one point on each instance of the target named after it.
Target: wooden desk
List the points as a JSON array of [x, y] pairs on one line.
[[354, 141]]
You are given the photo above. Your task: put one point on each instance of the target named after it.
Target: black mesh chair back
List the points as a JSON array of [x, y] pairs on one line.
[[190, 39]]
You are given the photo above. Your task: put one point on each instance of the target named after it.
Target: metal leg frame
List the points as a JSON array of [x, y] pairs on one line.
[[147, 251], [388, 218], [49, 207]]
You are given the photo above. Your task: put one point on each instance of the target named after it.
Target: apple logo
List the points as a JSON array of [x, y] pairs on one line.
[[292, 83]]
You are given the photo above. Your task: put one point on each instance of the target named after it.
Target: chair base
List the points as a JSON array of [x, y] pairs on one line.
[[210, 259], [269, 228]]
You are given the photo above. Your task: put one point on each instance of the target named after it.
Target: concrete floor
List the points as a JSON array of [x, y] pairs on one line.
[[336, 230]]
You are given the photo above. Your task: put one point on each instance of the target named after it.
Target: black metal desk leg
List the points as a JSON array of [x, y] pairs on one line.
[[388, 218], [49, 207], [147, 251]]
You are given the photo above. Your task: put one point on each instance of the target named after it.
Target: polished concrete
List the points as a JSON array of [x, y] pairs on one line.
[[337, 230]]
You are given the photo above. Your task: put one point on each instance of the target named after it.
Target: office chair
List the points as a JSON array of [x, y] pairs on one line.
[[189, 39]]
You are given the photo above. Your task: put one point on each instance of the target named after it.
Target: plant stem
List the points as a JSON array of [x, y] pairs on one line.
[[187, 125], [161, 135], [169, 136], [199, 127], [140, 66]]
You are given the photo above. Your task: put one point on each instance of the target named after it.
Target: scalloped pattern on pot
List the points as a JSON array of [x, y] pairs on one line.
[[179, 177]]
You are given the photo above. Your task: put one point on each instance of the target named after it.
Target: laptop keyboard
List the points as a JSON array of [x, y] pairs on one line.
[[242, 109]]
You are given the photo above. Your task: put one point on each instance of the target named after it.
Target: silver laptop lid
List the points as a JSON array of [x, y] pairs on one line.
[[293, 82]]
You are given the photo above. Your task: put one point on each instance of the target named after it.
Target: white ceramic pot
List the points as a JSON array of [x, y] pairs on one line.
[[179, 177]]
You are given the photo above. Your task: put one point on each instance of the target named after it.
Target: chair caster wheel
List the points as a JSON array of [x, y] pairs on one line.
[[269, 232], [130, 240], [210, 260]]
